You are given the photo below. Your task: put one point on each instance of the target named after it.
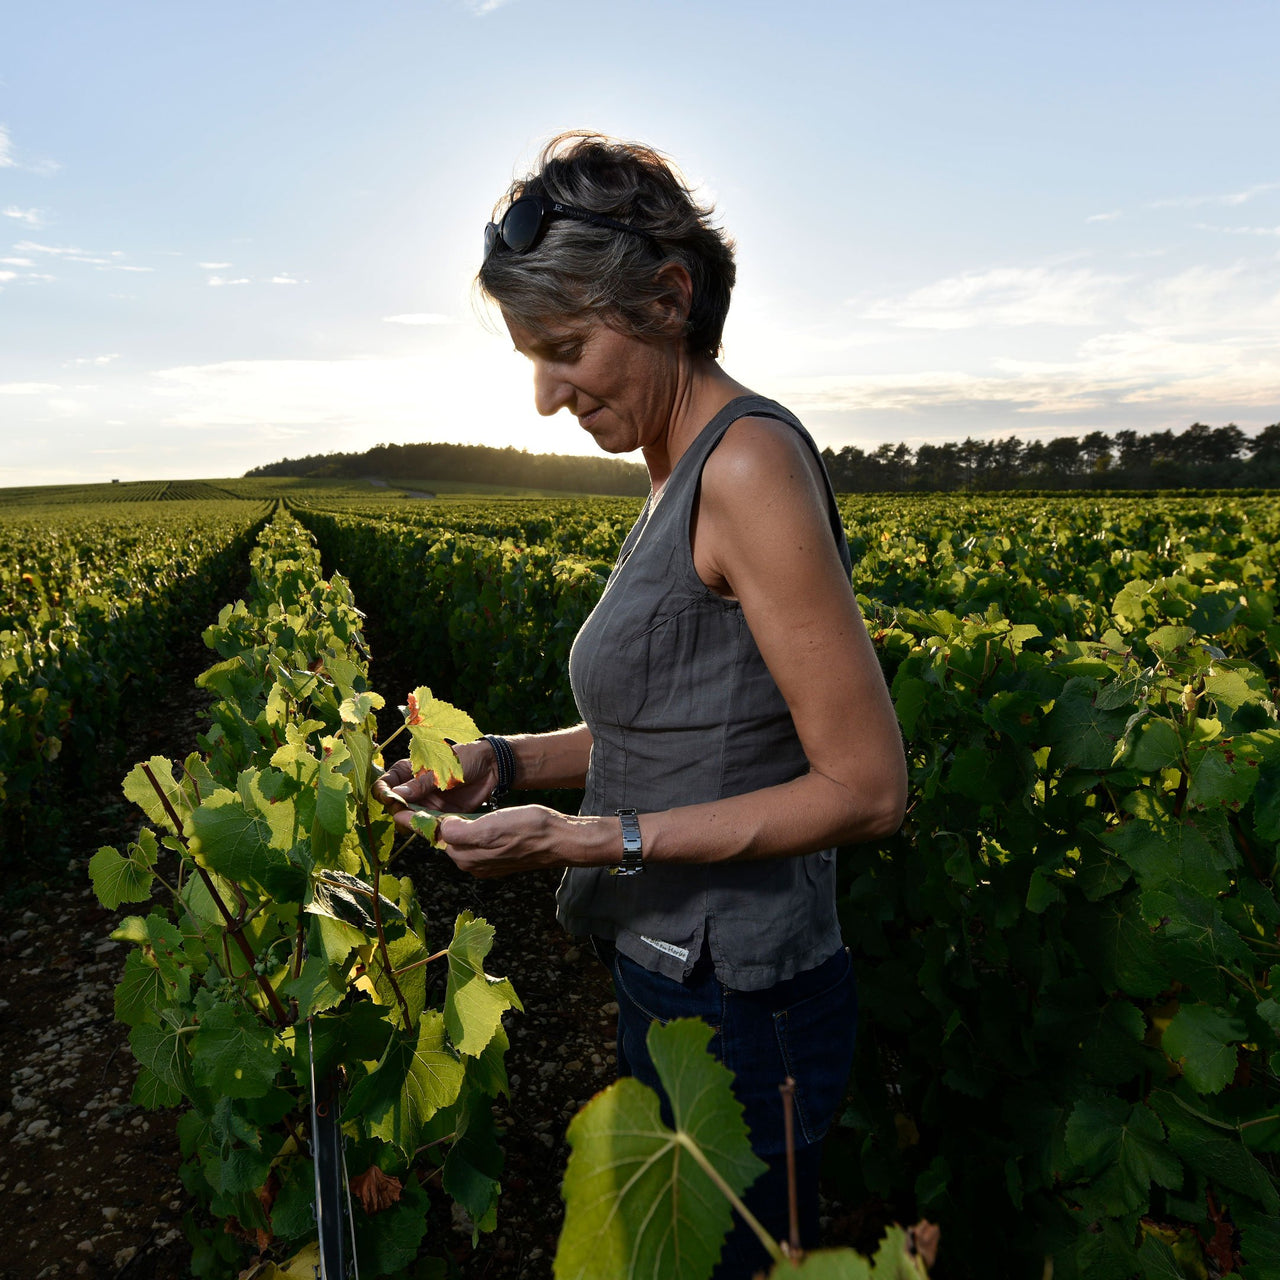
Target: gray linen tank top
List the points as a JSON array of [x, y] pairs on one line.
[[683, 710]]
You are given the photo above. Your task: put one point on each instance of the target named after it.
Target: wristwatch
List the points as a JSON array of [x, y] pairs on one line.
[[632, 863]]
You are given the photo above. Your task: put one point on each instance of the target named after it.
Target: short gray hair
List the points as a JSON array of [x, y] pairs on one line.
[[578, 270]]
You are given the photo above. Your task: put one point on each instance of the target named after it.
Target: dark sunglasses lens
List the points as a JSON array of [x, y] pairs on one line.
[[521, 224], [490, 239]]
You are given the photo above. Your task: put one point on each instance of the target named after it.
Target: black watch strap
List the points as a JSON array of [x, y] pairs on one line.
[[506, 761], [632, 860]]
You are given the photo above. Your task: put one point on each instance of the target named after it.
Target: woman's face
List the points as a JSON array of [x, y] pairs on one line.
[[621, 389]]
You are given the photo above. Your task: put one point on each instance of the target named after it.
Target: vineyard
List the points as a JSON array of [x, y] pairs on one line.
[[1070, 1046]]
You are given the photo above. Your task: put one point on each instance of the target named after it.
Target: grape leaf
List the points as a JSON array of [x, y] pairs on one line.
[[117, 878], [1195, 849], [334, 788], [891, 1262], [234, 839], [293, 1211], [137, 787], [347, 898], [161, 1049], [1079, 733], [388, 1243], [1119, 947], [1202, 1040], [1213, 1153], [474, 1002], [151, 1092], [357, 1033], [430, 722], [1166, 641], [488, 1071], [1122, 1149], [317, 987], [1221, 774], [404, 953], [474, 1163], [355, 708], [1153, 745], [1259, 1241], [234, 1053], [637, 1202], [141, 992], [416, 1077]]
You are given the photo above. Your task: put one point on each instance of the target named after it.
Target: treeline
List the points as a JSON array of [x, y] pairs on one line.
[[1201, 457], [421, 465]]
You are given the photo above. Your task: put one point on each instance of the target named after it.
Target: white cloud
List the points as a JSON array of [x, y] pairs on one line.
[[419, 317], [27, 388], [218, 281], [482, 7], [71, 253], [30, 246], [284, 279], [18, 262], [1239, 231], [30, 216], [1105, 217], [8, 275], [1230, 198], [214, 266], [9, 161], [1001, 296], [97, 360], [1200, 343]]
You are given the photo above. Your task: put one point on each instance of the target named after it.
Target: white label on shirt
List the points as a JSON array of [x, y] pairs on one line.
[[669, 948]]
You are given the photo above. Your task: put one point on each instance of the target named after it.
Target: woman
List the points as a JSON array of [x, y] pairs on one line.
[[736, 726]]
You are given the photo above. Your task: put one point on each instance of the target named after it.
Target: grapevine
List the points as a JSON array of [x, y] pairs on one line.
[[288, 950]]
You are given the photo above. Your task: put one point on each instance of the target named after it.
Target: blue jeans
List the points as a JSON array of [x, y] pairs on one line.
[[803, 1027]]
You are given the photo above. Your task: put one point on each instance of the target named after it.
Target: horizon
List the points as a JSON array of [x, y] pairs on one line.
[[240, 237]]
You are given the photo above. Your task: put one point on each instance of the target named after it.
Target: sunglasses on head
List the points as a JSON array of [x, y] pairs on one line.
[[522, 224]]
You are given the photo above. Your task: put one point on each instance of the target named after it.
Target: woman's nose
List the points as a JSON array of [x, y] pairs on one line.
[[550, 392]]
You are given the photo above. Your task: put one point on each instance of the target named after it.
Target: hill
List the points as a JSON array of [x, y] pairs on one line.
[[424, 466]]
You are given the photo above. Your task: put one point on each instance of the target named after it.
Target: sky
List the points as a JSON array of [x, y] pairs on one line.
[[235, 232]]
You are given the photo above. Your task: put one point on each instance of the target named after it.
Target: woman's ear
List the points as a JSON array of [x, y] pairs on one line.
[[675, 299]]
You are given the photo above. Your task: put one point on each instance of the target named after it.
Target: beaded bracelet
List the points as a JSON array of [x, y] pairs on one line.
[[506, 760]]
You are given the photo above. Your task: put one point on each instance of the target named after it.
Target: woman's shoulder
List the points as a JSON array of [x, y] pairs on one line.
[[760, 454]]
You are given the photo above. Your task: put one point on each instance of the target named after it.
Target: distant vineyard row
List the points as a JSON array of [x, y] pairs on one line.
[[1072, 1037]]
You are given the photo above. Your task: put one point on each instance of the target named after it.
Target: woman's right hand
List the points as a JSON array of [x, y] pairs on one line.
[[399, 786]]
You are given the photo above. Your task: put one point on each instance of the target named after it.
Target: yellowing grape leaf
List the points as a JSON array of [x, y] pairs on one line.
[[430, 722], [474, 1002]]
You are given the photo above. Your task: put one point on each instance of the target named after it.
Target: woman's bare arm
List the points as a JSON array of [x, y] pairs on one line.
[[761, 536]]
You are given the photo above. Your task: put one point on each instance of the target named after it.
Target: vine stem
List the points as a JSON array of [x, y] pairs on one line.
[[377, 920], [773, 1248], [788, 1090], [417, 964], [233, 928]]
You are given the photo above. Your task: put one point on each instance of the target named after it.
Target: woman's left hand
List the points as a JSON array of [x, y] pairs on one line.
[[522, 838]]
